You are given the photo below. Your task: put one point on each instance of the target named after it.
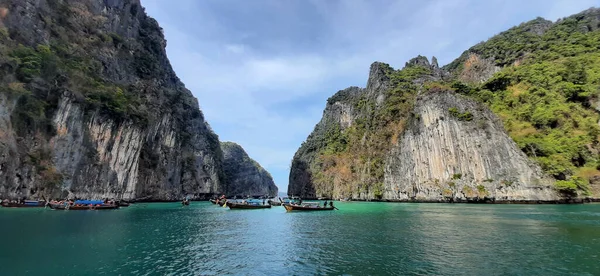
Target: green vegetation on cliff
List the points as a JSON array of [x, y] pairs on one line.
[[352, 160], [541, 78], [547, 97]]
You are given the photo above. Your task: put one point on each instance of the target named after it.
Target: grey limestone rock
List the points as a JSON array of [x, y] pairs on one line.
[[243, 175]]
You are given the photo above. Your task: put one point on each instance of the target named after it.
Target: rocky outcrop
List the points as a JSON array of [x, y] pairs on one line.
[[455, 149], [340, 113], [448, 148], [113, 119], [243, 175], [426, 133]]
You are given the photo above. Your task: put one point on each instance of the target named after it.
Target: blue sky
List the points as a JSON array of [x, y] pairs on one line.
[[263, 69]]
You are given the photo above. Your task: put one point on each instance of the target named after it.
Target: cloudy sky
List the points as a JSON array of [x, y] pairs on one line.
[[262, 70]]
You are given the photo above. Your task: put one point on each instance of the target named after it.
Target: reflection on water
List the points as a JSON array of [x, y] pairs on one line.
[[360, 239]]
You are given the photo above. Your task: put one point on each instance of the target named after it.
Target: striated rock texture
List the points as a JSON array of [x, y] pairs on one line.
[[512, 119], [243, 175], [340, 113], [90, 107], [436, 146], [455, 149]]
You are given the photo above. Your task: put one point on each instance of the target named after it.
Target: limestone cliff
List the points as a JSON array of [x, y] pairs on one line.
[[512, 119], [243, 175], [90, 107], [443, 156], [440, 147]]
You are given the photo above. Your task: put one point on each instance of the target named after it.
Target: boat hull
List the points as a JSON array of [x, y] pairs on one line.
[[80, 208], [232, 205], [21, 205], [290, 207]]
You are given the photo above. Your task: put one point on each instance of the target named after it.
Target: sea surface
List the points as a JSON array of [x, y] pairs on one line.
[[362, 238]]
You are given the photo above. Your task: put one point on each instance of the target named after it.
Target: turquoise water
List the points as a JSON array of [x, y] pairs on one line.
[[360, 239]]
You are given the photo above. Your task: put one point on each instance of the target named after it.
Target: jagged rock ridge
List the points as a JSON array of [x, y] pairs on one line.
[[243, 175]]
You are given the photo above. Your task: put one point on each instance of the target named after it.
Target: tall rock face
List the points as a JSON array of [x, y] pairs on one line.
[[243, 175], [308, 176], [455, 149], [90, 106], [514, 118], [436, 146]]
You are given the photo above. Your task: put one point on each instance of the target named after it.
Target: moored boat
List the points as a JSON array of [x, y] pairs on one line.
[[307, 207], [274, 203], [235, 205], [83, 205], [24, 204]]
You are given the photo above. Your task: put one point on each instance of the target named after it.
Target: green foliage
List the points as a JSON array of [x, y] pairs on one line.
[[571, 186], [4, 33], [335, 140], [457, 176], [545, 95], [481, 189], [45, 63], [507, 183], [548, 115], [116, 39], [378, 190], [30, 115], [546, 99], [352, 159], [462, 116], [29, 63]]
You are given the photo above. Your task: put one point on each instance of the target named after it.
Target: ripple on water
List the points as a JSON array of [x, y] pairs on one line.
[[360, 239]]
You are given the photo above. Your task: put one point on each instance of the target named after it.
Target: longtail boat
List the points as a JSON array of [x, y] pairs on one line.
[[214, 201], [233, 205], [24, 204], [307, 207], [274, 203], [83, 205]]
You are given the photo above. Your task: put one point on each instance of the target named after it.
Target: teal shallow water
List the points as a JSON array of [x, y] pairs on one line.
[[360, 239]]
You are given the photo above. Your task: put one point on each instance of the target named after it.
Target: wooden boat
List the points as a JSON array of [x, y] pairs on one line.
[[307, 207], [214, 201], [24, 204], [234, 205], [274, 203], [67, 206]]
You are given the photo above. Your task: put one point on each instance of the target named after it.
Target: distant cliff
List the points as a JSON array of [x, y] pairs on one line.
[[244, 176], [514, 118], [90, 106]]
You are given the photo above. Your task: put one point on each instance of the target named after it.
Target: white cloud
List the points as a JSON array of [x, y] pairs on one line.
[[235, 48]]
